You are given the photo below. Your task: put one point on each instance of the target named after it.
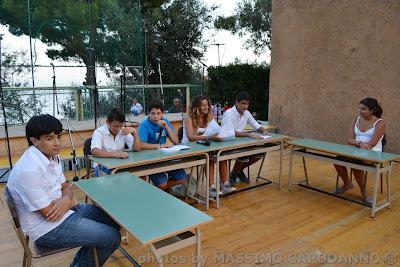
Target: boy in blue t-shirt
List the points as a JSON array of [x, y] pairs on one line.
[[153, 133]]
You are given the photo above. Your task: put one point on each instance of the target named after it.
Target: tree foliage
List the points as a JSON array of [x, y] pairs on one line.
[[112, 30], [251, 17], [225, 82], [18, 106], [174, 35]]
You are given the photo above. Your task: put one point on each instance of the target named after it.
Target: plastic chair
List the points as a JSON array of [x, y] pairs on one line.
[[29, 255]]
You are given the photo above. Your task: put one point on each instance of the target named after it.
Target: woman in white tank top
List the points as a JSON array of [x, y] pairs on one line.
[[367, 131], [195, 124]]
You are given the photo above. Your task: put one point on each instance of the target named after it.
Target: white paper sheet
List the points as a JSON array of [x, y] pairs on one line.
[[212, 128], [174, 148]]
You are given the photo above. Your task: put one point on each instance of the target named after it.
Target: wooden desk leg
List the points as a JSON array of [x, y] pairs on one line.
[[388, 184], [377, 175], [198, 247], [217, 181], [290, 169], [207, 181], [305, 170]]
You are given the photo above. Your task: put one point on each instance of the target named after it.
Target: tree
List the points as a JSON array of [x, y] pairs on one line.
[[19, 106], [174, 35], [251, 17], [84, 30], [226, 81]]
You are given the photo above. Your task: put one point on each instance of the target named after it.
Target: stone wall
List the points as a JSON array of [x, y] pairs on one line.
[[327, 56]]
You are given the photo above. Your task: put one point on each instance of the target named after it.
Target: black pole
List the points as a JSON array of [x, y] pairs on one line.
[[124, 93], [202, 91], [181, 105], [96, 97], [121, 92], [4, 114]]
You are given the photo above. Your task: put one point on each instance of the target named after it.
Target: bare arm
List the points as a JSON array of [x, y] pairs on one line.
[[262, 130], [242, 134], [351, 139], [378, 133], [58, 207], [172, 136], [97, 152], [189, 131], [137, 145], [147, 146]]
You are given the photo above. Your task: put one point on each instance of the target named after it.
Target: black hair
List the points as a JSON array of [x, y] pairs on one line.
[[115, 115], [373, 105], [242, 96], [42, 125], [157, 104]]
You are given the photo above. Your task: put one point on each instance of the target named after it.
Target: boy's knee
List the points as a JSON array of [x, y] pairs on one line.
[[162, 186]]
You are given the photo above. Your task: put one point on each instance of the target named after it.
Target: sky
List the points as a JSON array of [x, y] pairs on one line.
[[231, 49]]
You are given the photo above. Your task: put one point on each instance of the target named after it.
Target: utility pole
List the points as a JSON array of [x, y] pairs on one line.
[[218, 45]]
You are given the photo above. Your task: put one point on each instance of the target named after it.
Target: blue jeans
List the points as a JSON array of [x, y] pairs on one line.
[[88, 227]]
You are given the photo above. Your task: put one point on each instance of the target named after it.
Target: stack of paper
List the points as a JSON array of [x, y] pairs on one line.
[[174, 148]]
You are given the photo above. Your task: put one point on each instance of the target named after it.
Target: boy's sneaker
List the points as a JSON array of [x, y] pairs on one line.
[[179, 190], [213, 192], [243, 177], [232, 177], [227, 188]]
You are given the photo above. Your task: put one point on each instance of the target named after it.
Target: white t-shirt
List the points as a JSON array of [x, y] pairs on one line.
[[136, 109], [34, 182], [232, 120], [103, 139]]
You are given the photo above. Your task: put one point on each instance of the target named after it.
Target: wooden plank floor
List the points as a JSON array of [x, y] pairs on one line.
[[266, 226]]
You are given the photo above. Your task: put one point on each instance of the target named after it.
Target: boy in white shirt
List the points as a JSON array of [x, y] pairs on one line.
[[44, 200], [109, 140], [235, 119], [136, 107]]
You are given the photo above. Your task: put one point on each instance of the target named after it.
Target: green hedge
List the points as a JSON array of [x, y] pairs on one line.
[[225, 82]]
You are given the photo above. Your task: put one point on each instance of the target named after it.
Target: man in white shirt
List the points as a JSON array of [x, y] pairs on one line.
[[136, 108], [44, 200], [235, 120], [109, 140]]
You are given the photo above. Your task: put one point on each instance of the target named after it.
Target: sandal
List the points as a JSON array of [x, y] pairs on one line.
[[341, 189], [369, 200]]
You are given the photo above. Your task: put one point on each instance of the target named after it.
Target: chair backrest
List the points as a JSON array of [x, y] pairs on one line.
[[16, 223], [180, 134], [384, 141], [86, 147]]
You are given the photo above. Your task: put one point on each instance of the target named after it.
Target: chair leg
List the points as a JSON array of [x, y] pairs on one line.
[[381, 183], [96, 257], [24, 262]]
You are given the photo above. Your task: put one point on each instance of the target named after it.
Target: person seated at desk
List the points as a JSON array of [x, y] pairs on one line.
[[44, 200], [367, 131], [136, 107], [109, 140], [236, 119], [194, 127], [153, 133], [176, 106]]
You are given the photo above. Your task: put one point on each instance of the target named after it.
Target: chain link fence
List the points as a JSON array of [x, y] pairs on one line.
[[60, 91]]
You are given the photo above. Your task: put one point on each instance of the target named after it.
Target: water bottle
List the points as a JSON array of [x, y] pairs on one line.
[[163, 138]]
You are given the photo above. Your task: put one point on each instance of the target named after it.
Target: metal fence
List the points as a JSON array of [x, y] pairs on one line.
[[66, 91], [77, 102]]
